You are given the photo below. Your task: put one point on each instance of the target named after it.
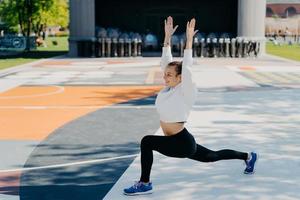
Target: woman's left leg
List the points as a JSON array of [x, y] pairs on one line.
[[206, 155], [181, 145]]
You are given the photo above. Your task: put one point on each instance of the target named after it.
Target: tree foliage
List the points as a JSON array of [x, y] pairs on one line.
[[34, 15]]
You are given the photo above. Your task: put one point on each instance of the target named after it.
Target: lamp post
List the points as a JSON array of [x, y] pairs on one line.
[[28, 8]]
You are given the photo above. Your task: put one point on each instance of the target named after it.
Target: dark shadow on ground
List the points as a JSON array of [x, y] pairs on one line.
[[105, 133], [87, 181], [141, 102]]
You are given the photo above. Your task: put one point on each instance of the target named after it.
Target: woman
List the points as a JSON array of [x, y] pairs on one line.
[[173, 104]]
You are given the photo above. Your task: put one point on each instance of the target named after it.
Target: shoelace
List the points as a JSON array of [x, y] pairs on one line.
[[136, 184], [247, 164]]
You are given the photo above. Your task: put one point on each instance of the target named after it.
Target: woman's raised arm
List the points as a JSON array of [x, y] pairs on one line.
[[166, 51], [188, 85]]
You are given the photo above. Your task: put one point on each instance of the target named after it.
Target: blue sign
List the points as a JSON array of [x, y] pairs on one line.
[[15, 43]]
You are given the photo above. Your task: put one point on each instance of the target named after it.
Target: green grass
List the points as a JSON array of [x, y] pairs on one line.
[[10, 62], [286, 51], [62, 44], [41, 52]]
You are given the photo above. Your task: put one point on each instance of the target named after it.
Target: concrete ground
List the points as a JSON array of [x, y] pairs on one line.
[[73, 126]]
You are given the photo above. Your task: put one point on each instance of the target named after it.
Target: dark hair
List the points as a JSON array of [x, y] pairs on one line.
[[178, 66]]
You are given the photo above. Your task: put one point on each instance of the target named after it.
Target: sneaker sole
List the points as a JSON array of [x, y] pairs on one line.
[[137, 193], [249, 173]]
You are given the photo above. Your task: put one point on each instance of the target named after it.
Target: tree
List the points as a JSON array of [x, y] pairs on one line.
[[56, 15], [34, 15], [8, 15]]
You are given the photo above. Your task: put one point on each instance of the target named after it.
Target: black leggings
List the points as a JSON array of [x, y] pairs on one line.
[[180, 145]]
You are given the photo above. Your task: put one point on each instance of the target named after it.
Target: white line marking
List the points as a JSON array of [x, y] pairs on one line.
[[67, 164], [60, 90]]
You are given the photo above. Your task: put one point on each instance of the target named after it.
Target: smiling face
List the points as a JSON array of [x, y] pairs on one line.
[[171, 77]]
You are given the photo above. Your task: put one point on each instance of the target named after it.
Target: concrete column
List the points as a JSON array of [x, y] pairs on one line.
[[82, 23], [251, 20]]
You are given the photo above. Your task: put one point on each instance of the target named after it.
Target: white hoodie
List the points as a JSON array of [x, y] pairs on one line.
[[173, 104]]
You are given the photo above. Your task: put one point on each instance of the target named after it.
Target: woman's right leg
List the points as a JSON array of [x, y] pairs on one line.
[[173, 146]]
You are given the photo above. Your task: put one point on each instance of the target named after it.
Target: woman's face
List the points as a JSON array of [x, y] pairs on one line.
[[170, 76]]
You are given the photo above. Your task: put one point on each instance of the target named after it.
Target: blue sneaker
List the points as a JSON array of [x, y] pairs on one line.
[[139, 188], [250, 164]]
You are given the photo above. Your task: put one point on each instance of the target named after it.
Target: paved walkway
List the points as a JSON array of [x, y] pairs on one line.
[[71, 113], [243, 107]]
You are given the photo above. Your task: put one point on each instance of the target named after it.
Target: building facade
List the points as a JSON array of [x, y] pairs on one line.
[[239, 18], [283, 8]]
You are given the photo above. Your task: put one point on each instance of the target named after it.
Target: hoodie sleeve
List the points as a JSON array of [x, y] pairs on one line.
[[188, 85], [166, 57]]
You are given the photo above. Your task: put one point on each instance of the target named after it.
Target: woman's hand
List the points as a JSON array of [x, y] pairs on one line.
[[169, 30], [190, 33]]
